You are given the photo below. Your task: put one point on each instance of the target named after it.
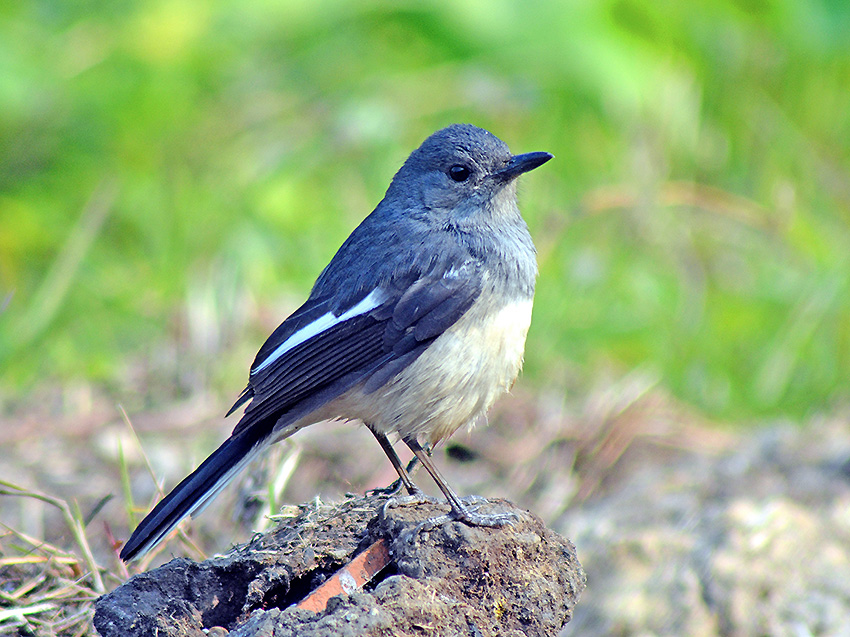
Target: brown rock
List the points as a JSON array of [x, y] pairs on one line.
[[522, 579]]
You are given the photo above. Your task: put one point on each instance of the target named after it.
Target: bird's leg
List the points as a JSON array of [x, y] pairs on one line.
[[459, 510], [395, 487], [403, 473]]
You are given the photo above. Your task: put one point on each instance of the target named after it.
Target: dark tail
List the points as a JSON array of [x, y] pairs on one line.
[[254, 432], [194, 492]]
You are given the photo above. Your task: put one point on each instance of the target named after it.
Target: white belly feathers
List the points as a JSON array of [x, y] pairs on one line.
[[455, 380]]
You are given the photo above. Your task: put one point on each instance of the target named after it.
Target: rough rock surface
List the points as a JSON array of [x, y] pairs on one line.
[[521, 579]]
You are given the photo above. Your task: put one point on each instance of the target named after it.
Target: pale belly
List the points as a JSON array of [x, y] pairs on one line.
[[454, 381]]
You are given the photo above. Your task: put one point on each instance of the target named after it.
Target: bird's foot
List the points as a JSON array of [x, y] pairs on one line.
[[392, 490], [464, 513], [417, 497], [468, 514], [395, 488], [474, 501]]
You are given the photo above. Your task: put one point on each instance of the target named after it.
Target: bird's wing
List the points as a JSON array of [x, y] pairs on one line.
[[319, 353], [314, 356]]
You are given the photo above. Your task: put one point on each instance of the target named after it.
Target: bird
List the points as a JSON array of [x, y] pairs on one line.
[[414, 328]]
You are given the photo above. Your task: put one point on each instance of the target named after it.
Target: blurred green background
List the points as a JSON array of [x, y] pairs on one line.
[[175, 173]]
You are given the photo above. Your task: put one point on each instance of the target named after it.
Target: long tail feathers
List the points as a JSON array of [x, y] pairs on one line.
[[193, 494], [253, 433]]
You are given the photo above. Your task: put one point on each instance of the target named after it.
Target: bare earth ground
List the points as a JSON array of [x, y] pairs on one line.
[[683, 527]]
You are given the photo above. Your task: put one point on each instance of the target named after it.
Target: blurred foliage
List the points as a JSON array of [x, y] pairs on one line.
[[175, 173]]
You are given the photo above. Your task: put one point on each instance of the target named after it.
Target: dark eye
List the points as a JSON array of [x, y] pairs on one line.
[[459, 173]]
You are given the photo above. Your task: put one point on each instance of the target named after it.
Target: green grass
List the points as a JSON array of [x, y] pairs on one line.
[[178, 172]]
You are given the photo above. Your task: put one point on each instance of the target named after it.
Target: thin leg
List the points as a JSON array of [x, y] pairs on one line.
[[395, 487], [459, 509], [414, 462], [429, 465], [403, 474]]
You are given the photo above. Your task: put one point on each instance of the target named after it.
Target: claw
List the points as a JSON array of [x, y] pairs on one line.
[[474, 500], [401, 500], [391, 490], [466, 513], [461, 514], [427, 525], [493, 520]]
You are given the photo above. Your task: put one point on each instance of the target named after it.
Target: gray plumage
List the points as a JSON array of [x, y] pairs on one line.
[[442, 222], [415, 327]]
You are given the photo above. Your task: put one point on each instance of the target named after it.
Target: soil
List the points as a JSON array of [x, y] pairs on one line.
[[455, 579]]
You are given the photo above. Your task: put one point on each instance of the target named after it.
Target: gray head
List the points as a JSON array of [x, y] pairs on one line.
[[453, 198], [459, 171]]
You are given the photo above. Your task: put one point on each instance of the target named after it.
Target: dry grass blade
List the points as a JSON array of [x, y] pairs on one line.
[[138, 442], [72, 518], [17, 614], [187, 541], [51, 590]]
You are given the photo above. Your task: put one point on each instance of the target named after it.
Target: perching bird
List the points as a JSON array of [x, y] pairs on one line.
[[415, 327]]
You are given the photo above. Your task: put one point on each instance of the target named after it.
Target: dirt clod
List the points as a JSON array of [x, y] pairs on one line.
[[522, 579]]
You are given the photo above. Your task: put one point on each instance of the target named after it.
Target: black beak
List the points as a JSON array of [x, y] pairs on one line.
[[519, 164]]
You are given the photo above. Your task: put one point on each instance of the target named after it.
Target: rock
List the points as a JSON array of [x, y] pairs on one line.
[[521, 579]]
